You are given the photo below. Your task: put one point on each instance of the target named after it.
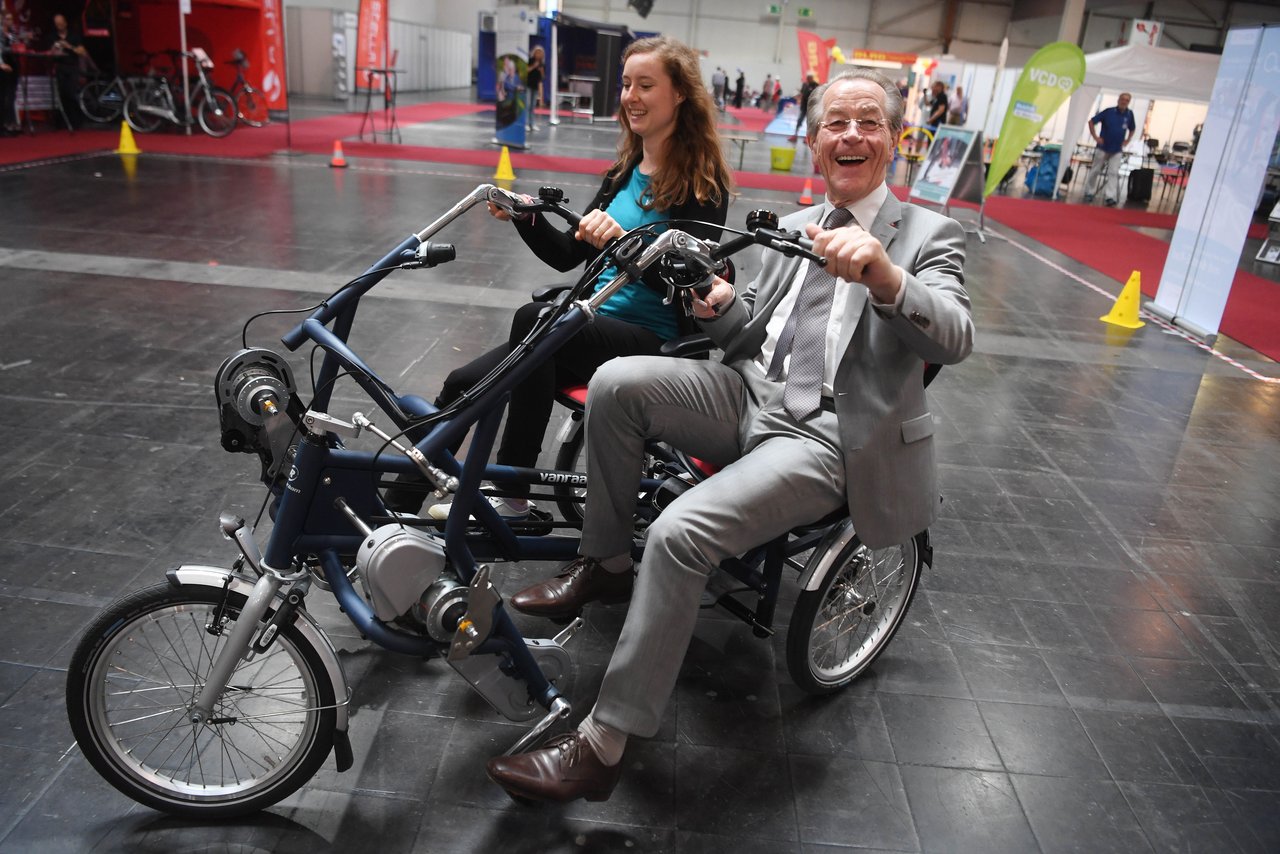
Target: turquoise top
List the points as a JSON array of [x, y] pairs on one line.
[[637, 302]]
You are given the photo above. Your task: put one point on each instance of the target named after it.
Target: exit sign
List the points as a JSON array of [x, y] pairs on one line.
[[804, 12], [775, 9]]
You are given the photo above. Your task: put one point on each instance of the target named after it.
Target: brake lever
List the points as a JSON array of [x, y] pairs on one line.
[[791, 244]]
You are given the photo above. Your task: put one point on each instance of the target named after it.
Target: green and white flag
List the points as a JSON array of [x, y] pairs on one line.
[[1047, 80]]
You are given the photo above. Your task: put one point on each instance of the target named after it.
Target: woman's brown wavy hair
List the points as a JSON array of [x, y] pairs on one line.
[[694, 164]]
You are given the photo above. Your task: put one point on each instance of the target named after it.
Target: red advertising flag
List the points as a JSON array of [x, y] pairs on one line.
[[371, 39], [815, 55], [273, 79]]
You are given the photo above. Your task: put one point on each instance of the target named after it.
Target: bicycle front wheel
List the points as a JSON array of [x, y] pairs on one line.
[[838, 629], [136, 675], [251, 107], [217, 113], [101, 101], [138, 118]]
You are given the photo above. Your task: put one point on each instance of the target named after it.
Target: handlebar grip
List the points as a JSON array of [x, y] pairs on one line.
[[432, 254]]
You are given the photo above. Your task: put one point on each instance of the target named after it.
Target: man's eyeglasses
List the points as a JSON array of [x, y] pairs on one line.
[[865, 127]]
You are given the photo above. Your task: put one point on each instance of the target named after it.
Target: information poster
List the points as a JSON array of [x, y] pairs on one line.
[[945, 162], [512, 27]]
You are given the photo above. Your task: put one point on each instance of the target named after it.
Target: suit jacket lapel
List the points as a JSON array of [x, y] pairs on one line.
[[885, 228]]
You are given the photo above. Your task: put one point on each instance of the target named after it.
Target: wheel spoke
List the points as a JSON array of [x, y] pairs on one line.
[[143, 681], [853, 613]]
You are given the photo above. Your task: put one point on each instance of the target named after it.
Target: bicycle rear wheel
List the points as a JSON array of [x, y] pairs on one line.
[[101, 101], [572, 456], [251, 107], [217, 113], [838, 629], [139, 119], [134, 678]]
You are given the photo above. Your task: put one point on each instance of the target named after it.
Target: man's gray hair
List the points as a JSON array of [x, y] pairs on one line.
[[894, 106]]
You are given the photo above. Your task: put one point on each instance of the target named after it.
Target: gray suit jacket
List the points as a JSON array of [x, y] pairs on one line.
[[886, 428]]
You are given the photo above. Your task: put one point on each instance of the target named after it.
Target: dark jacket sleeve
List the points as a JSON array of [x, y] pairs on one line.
[[557, 247]]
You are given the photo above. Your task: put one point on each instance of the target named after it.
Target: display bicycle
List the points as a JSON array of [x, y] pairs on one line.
[[216, 693]]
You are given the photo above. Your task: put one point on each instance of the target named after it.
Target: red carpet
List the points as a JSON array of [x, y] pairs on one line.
[[1105, 239], [1101, 238]]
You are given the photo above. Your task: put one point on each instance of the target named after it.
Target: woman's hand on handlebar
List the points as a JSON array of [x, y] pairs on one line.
[[504, 214], [715, 302], [598, 228]]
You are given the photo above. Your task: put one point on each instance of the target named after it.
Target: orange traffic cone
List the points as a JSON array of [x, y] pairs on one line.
[[806, 197], [338, 161]]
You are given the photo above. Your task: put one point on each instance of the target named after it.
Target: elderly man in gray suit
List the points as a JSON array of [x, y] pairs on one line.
[[818, 401]]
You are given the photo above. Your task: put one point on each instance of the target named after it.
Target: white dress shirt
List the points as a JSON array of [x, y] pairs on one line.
[[864, 213]]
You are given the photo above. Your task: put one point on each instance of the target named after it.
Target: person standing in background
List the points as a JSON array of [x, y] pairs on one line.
[[766, 93], [719, 85], [937, 106], [533, 81], [738, 86], [958, 108], [9, 42], [67, 47], [1117, 128], [810, 83]]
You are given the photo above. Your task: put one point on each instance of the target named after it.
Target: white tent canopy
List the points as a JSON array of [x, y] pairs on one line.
[[1155, 73]]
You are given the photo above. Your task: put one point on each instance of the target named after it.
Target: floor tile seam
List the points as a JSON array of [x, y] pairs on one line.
[[1220, 713], [1121, 777], [1129, 800], [18, 815], [1022, 810], [1152, 577], [45, 668], [56, 597], [910, 815], [1204, 792]]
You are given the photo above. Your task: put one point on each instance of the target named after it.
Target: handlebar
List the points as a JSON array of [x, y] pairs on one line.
[[550, 200], [690, 262], [417, 251]]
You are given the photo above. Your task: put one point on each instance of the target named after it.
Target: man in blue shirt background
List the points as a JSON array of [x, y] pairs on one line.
[[1117, 127]]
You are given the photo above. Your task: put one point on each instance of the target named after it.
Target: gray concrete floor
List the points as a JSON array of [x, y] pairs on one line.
[[1093, 663]]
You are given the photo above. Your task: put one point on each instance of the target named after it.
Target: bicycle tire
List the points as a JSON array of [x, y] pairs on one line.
[[572, 456], [132, 680], [840, 628], [251, 107], [101, 101], [567, 459], [216, 113], [140, 121]]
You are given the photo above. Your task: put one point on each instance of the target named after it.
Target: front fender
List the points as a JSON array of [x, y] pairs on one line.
[[213, 576]]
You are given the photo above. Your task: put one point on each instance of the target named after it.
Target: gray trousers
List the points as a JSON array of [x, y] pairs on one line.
[[776, 475], [1104, 174]]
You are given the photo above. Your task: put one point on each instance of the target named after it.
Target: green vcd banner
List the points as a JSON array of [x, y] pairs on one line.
[[1049, 77]]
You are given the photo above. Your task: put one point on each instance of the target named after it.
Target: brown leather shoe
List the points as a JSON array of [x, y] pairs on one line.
[[565, 770], [579, 583]]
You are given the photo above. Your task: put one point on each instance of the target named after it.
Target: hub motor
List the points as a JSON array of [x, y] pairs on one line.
[[251, 387]]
